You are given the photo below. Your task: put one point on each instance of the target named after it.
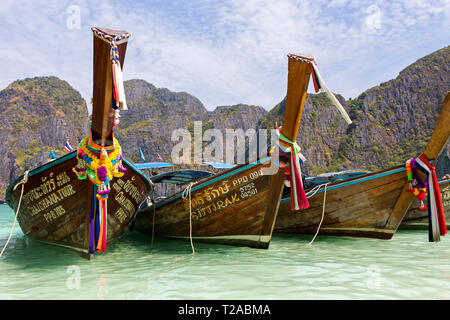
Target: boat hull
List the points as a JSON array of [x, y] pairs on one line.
[[418, 219], [55, 204], [360, 207], [236, 207]]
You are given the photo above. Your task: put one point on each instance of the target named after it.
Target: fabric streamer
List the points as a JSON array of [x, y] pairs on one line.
[[415, 184], [436, 218], [101, 244], [319, 85], [291, 148], [298, 196], [118, 88], [92, 216], [97, 224]]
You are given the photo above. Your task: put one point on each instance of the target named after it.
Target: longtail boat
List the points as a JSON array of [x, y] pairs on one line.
[[417, 218], [371, 205], [87, 197], [237, 206]]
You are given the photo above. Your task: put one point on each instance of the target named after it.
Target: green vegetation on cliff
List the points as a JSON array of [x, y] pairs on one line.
[[391, 122], [38, 115]]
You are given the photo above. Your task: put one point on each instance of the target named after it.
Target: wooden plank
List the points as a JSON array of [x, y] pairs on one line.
[[297, 86], [362, 206], [102, 113]]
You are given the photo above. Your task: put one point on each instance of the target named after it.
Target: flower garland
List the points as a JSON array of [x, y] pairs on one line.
[[99, 166], [415, 185]]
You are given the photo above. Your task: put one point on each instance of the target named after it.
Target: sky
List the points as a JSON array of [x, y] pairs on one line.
[[224, 52]]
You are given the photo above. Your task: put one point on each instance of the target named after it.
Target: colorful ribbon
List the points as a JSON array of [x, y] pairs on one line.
[[436, 218], [416, 185], [298, 196], [319, 85], [118, 89], [97, 224]]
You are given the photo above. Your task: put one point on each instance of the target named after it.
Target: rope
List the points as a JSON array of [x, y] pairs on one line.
[[185, 194], [314, 190], [302, 59], [153, 228], [154, 209], [113, 42], [323, 210], [22, 182]]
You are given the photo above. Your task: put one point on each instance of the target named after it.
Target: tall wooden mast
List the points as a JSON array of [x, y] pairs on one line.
[[102, 98], [297, 87], [103, 114]]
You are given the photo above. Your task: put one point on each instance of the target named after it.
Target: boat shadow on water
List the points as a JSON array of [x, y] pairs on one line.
[[142, 243], [26, 252]]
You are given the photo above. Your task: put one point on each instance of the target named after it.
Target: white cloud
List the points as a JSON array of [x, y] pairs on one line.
[[226, 52]]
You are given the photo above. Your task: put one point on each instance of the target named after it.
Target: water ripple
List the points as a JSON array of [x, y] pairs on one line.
[[406, 267]]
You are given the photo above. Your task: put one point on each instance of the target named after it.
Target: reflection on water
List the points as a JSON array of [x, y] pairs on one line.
[[406, 267]]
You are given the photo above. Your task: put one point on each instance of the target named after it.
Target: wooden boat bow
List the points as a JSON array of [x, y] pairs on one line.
[[64, 200], [103, 115], [297, 87], [436, 144]]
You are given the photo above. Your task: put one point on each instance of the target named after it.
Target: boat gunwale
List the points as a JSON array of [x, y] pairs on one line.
[[351, 181], [58, 161], [363, 178], [206, 182]]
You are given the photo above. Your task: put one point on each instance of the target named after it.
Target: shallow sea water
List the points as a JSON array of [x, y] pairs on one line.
[[406, 267]]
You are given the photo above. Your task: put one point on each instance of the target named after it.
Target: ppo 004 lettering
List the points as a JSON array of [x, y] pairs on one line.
[[248, 190]]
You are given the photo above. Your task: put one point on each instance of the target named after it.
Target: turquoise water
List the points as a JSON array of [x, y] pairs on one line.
[[406, 267]]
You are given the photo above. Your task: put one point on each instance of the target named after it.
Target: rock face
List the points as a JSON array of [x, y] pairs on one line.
[[391, 122], [394, 121], [37, 115], [321, 130], [153, 113], [151, 117]]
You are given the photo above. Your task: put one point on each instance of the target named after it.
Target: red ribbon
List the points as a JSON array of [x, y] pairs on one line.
[[437, 195]]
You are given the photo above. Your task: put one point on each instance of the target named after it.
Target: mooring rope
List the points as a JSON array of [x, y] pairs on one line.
[[316, 189], [22, 182], [185, 194], [149, 198], [153, 227]]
